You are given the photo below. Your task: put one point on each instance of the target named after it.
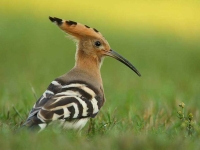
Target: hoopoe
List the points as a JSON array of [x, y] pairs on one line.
[[78, 95]]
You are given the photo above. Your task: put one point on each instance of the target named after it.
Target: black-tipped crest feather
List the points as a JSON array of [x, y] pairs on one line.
[[57, 20]]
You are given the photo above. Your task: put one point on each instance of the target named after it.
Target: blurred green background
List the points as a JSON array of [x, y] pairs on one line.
[[161, 38]]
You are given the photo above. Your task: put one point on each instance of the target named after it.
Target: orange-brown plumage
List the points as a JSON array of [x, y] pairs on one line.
[[79, 30]]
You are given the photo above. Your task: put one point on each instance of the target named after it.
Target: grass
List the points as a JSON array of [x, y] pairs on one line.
[[140, 113]]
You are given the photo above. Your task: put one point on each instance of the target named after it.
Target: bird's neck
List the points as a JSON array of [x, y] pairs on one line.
[[89, 64]]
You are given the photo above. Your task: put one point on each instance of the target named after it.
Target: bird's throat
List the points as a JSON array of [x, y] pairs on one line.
[[88, 63]]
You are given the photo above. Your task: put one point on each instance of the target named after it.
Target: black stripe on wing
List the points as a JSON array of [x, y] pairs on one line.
[[99, 101], [59, 112], [72, 112], [89, 106], [64, 83], [55, 87], [81, 91]]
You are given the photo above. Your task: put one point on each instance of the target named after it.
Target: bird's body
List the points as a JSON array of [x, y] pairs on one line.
[[78, 95]]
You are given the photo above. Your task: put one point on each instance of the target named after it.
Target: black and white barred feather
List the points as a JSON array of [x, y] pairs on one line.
[[73, 103]]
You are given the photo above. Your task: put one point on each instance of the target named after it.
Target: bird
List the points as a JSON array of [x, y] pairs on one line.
[[78, 95]]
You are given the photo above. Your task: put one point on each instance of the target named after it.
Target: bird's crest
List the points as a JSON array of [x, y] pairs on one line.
[[76, 29]]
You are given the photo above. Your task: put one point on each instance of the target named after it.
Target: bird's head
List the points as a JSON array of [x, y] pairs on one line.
[[90, 41]]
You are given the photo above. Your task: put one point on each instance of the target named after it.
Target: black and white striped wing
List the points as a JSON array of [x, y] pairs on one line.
[[53, 88], [68, 102]]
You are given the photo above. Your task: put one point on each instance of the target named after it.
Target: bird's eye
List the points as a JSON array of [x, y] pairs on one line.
[[97, 43]]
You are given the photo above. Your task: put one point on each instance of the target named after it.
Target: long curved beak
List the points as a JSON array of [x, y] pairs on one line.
[[115, 55]]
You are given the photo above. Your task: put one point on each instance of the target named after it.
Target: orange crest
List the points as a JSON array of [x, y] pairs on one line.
[[75, 29]]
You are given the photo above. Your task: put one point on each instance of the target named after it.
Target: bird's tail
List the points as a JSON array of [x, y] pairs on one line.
[[34, 124]]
